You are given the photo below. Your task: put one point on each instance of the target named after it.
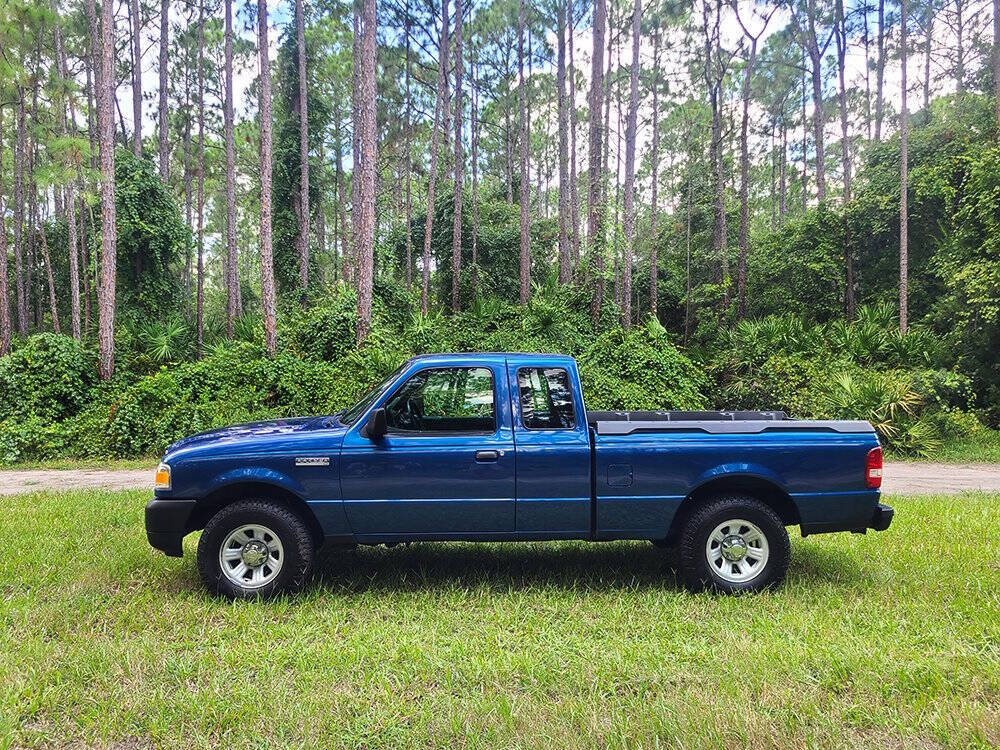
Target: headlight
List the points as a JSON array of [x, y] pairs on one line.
[[162, 481]]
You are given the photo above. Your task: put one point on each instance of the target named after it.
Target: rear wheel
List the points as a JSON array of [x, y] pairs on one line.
[[733, 544], [255, 549]]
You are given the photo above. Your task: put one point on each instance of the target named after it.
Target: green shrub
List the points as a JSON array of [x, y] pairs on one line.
[[49, 376], [639, 369], [789, 382]]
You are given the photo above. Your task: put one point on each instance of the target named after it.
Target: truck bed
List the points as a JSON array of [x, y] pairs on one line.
[[714, 422]]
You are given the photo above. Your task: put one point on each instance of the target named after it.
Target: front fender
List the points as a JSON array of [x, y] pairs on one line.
[[256, 474]]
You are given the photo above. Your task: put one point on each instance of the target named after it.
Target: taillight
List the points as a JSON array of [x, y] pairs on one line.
[[873, 469]]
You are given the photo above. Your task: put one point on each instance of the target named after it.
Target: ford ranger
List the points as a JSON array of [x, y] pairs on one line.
[[500, 447]]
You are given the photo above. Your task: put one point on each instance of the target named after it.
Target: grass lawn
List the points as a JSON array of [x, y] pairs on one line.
[[983, 447], [884, 640]]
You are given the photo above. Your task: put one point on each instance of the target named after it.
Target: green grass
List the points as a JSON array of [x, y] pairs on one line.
[[107, 464], [885, 640], [982, 447]]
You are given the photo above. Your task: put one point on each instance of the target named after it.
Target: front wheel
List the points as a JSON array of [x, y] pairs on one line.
[[255, 549], [734, 544]]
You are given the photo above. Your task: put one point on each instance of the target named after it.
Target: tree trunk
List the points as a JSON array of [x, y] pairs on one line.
[[630, 135], [812, 46], [959, 48], [268, 297], [456, 234], [432, 176], [904, 260], [565, 271], [782, 173], [302, 241], [163, 125], [595, 211], [232, 299], [525, 256], [713, 80], [347, 271], [687, 244], [365, 241], [741, 263], [200, 302], [47, 261], [20, 282], [409, 151], [928, 36], [840, 30], [106, 138], [996, 61], [5, 332], [74, 269], [805, 129], [574, 198], [136, 79], [880, 71], [475, 182], [655, 177]]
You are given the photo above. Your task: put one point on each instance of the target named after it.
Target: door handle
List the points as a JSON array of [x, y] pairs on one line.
[[485, 456]]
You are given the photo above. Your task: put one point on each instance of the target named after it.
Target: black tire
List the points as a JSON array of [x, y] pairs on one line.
[[698, 573], [296, 542]]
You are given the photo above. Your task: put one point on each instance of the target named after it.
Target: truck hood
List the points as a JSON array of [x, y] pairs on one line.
[[252, 431]]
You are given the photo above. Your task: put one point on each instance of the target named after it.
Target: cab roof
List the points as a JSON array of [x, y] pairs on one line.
[[492, 357]]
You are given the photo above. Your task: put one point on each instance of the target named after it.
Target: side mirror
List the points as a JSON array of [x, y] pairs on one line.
[[376, 427]]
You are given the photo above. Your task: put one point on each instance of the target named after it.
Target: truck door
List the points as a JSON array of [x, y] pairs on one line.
[[553, 450], [445, 469]]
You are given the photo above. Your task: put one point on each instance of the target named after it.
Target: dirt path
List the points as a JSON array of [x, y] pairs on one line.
[[900, 479], [33, 480]]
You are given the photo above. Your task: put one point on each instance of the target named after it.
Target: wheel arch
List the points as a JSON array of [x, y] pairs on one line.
[[761, 488], [232, 492]]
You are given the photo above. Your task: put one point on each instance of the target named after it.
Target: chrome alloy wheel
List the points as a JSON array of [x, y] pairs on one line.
[[737, 550], [251, 556]]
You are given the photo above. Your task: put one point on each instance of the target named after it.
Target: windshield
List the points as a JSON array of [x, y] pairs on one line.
[[350, 416]]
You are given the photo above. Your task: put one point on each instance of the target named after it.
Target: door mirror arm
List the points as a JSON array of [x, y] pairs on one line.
[[375, 428]]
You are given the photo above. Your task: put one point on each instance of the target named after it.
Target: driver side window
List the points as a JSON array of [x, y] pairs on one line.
[[443, 400]]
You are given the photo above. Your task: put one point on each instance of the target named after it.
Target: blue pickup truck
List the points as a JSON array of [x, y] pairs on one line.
[[499, 447]]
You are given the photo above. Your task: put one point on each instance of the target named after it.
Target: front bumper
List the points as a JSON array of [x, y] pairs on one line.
[[881, 517], [167, 523]]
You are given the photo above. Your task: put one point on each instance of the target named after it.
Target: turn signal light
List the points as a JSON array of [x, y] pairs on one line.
[[873, 469], [162, 481]]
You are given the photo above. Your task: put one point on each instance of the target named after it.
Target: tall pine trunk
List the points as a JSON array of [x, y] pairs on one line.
[[5, 331], [409, 150], [595, 210], [74, 267], [475, 181], [574, 198], [565, 270], [630, 135], [904, 259], [20, 283], [525, 254], [432, 176], [232, 286], [302, 240], [268, 296], [365, 240], [200, 232], [880, 71], [840, 30], [163, 126], [654, 177], [103, 38], [456, 232], [136, 78], [996, 61]]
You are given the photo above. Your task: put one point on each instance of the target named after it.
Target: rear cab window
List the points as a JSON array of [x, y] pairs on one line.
[[546, 398]]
